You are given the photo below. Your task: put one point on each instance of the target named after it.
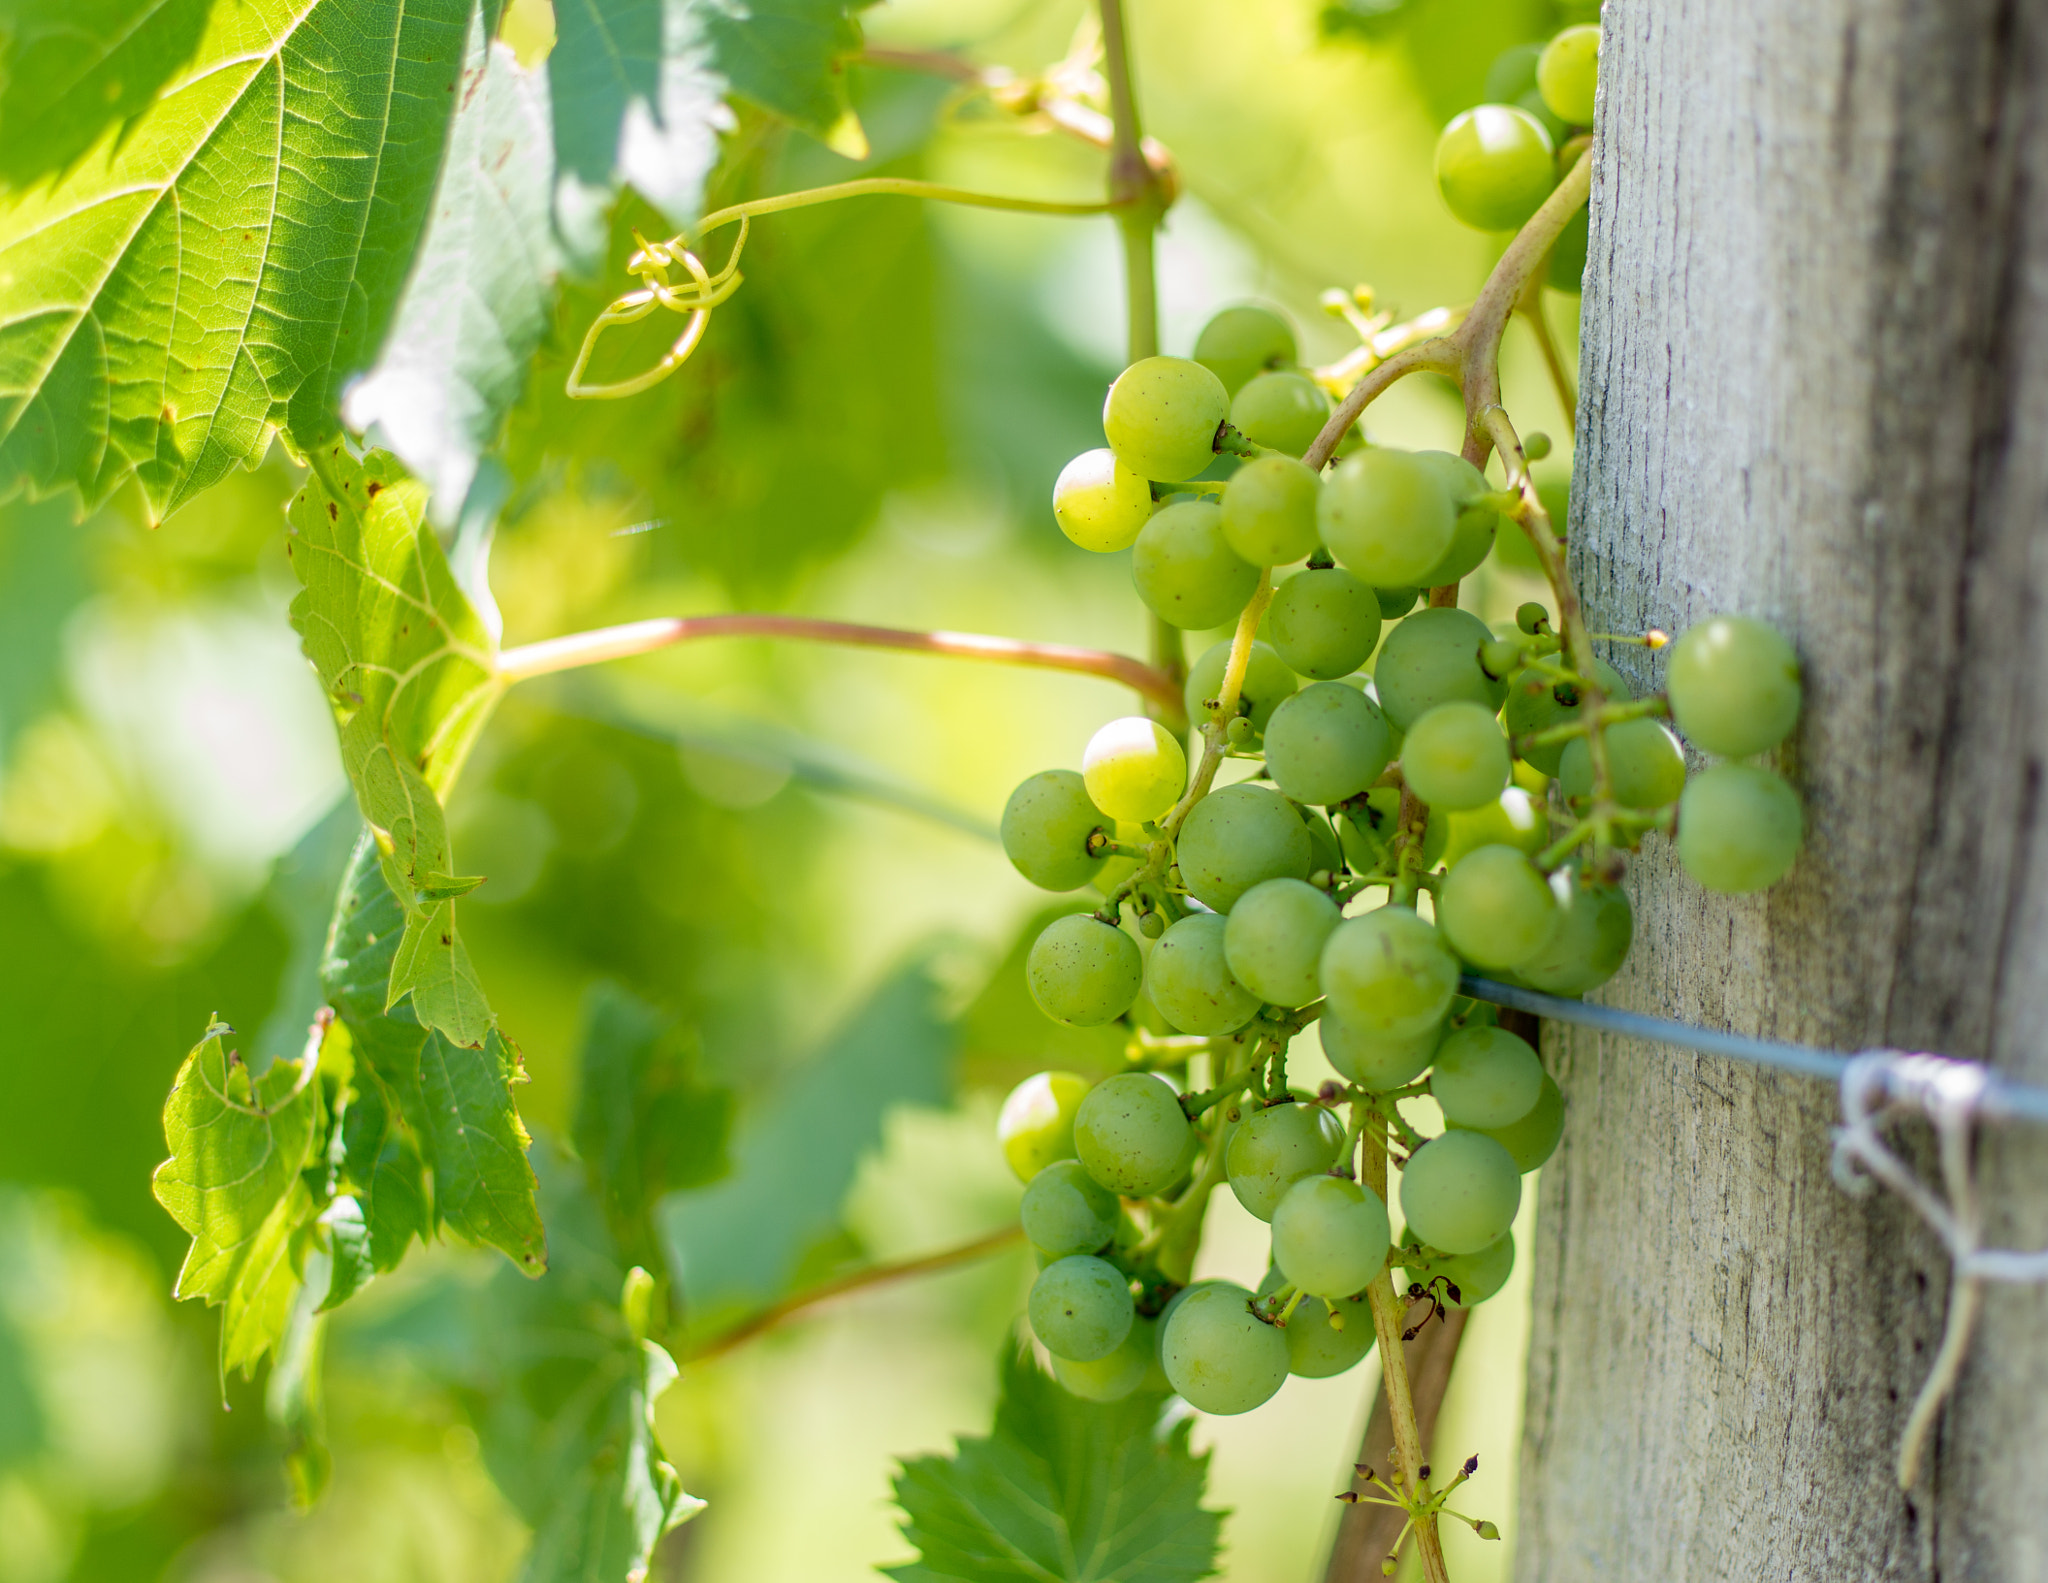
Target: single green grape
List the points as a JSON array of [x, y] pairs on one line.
[[1432, 658], [1567, 267], [1189, 980], [1131, 1134], [1185, 570], [1099, 503], [1047, 824], [1472, 536], [1237, 837], [1568, 71], [1495, 165], [1477, 1276], [1536, 702], [1485, 1078], [1269, 509], [1274, 940], [1220, 1356], [1396, 602], [1368, 833], [1330, 1236], [1512, 74], [1734, 686], [1081, 1308], [1036, 1124], [1739, 828], [1455, 757], [1162, 417], [1327, 743], [1267, 682], [1317, 1348], [1117, 1375], [1388, 973], [1644, 761], [1084, 972], [1240, 342], [1272, 1149], [1496, 909], [1386, 515], [1325, 853], [1590, 944], [1377, 1062], [1066, 1211], [1534, 1138], [1281, 411], [1460, 1191], [1514, 818], [1134, 769], [1324, 623]]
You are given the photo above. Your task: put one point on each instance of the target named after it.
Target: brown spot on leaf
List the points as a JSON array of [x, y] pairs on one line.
[[333, 512], [371, 488]]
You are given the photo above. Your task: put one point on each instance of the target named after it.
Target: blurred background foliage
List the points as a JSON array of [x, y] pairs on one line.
[[781, 856]]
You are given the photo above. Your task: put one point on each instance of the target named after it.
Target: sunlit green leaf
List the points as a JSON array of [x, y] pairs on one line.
[[785, 55], [294, 1397], [259, 1299]]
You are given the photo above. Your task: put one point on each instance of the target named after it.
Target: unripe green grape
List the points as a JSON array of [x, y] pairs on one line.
[[1267, 683], [1220, 1356], [1132, 1135], [1112, 1378], [1368, 833], [1066, 1211], [1495, 165], [1496, 909], [1281, 411], [1533, 1139], [1083, 972], [1512, 74], [1240, 342], [1386, 515], [1330, 1236], [1325, 854], [1099, 503], [1644, 762], [1189, 980], [1036, 1124], [1734, 686], [1535, 703], [1485, 1078], [1269, 509], [1388, 973], [1134, 769], [1047, 824], [1319, 1350], [1377, 1062], [1514, 818], [1237, 837], [1396, 602], [1081, 1308], [1274, 940], [1185, 570], [1433, 658], [1568, 72], [1477, 1276], [1590, 944], [1739, 828], [1272, 1149], [1328, 742], [1566, 271], [1162, 416], [1472, 535], [1455, 757], [1324, 623], [1460, 1191]]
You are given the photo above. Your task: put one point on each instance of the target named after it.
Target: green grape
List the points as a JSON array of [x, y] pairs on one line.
[[1386, 515], [1081, 1308], [1567, 269], [1118, 868], [1219, 1355], [1084, 972], [1368, 833], [1240, 342], [1324, 623], [1132, 1135], [1559, 131], [1485, 1078], [1316, 1348], [1162, 417], [1536, 702], [1185, 570], [1267, 682], [1036, 1124], [1734, 685], [1066, 1211], [1644, 760], [1281, 411], [1134, 769], [1269, 509], [1433, 658], [1099, 503], [1328, 742], [1117, 1375], [1274, 939], [1237, 837], [1046, 827], [1477, 522], [1272, 1149], [1738, 828], [1325, 854], [1533, 1139], [1512, 74], [1495, 165], [1396, 602], [1374, 1061], [1496, 909], [1514, 818], [1455, 757], [1459, 1192], [1388, 973], [1567, 72], [1330, 1236], [1189, 980], [1590, 944], [1477, 1276]]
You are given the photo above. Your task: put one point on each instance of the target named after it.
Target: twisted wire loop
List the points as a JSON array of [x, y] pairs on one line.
[[1879, 1086]]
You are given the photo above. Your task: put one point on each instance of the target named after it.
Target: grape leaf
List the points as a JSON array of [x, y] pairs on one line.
[[785, 56], [410, 673], [259, 1300], [1061, 1489], [294, 1396]]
